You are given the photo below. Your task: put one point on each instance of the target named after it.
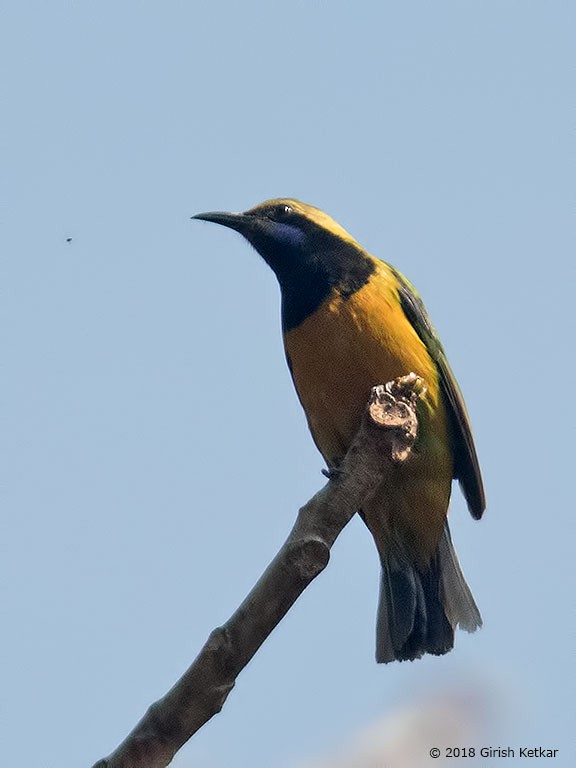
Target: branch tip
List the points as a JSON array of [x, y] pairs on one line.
[[393, 406]]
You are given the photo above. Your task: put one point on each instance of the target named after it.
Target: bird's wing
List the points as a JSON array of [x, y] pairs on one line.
[[466, 466]]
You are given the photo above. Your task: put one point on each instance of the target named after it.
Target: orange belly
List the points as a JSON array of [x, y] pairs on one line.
[[336, 355]]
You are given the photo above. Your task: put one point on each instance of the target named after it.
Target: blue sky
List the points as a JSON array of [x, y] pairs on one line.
[[441, 136]]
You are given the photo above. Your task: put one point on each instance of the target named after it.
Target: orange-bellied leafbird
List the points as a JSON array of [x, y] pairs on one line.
[[351, 321]]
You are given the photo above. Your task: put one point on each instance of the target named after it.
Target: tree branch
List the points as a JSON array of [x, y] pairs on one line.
[[385, 438]]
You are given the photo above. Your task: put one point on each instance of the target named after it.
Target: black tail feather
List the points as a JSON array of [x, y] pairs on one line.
[[420, 609]]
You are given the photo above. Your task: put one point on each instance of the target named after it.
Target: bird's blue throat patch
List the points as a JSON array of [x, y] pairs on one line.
[[288, 234]]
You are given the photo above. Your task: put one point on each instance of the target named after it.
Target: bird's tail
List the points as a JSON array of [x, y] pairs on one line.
[[420, 609]]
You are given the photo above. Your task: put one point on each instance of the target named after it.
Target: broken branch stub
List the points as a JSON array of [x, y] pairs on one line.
[[393, 406]]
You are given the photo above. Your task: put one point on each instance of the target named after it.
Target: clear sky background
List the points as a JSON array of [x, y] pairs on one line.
[[136, 518]]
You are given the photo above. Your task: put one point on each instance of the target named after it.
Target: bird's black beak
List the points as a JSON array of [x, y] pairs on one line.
[[238, 221]]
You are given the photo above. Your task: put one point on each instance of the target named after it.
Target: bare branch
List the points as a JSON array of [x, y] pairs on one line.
[[386, 436]]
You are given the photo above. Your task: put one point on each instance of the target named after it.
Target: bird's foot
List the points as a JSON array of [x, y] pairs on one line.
[[332, 473]]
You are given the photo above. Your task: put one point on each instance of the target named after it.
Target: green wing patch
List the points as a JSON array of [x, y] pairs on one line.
[[466, 466]]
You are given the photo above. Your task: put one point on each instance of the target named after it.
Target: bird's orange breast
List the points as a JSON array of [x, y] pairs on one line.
[[347, 346], [336, 355]]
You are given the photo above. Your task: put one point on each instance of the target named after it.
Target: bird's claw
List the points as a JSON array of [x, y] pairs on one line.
[[332, 473]]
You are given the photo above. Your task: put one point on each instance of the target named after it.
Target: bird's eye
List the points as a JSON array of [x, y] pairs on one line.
[[284, 210]]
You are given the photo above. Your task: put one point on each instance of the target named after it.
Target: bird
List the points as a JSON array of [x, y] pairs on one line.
[[351, 321]]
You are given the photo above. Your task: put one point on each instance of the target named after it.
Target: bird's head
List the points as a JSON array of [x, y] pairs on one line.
[[310, 253], [289, 235]]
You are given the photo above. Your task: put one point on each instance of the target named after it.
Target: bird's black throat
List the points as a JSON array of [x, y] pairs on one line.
[[306, 285]]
